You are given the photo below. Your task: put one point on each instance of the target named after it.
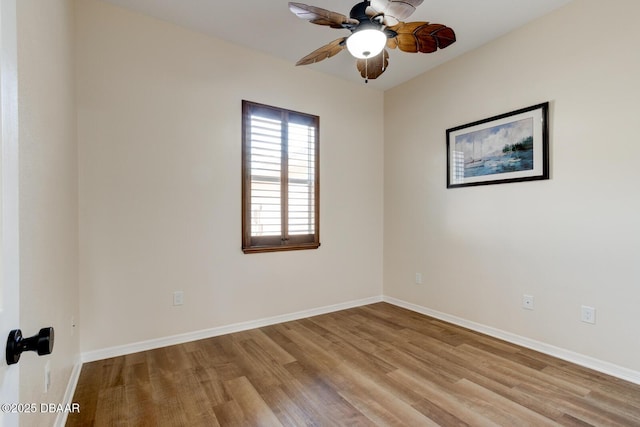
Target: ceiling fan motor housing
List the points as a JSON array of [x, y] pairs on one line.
[[366, 22], [359, 12]]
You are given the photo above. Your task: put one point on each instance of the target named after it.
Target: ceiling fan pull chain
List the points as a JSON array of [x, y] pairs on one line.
[[366, 70]]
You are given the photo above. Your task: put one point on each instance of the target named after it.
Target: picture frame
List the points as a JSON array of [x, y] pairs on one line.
[[510, 147]]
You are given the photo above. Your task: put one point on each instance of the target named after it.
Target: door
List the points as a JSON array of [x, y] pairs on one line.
[[9, 255]]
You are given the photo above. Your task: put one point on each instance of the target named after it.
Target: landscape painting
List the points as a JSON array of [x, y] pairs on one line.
[[493, 150], [507, 148]]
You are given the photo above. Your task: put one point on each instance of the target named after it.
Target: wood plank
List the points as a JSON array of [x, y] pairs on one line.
[[254, 408], [505, 411], [443, 399], [112, 407]]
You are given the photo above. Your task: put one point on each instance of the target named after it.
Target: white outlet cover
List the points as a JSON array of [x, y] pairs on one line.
[[527, 302], [178, 298], [588, 314]]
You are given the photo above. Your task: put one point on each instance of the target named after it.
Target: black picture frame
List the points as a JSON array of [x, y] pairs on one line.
[[510, 147]]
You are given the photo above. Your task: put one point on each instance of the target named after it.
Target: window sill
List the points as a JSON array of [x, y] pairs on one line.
[[280, 248]]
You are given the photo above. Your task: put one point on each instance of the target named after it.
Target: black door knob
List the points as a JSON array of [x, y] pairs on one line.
[[42, 343]]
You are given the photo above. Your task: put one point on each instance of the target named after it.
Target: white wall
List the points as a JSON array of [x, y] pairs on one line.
[[48, 201], [568, 241], [159, 129]]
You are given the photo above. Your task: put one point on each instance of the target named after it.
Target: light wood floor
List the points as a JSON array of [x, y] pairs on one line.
[[373, 365]]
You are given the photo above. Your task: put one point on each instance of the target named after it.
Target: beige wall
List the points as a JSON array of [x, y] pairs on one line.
[[159, 128], [568, 241], [48, 200]]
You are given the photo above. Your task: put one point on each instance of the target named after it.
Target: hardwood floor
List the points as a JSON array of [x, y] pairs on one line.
[[374, 365]]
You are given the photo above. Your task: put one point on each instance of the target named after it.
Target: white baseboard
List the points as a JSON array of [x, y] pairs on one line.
[[61, 419], [570, 356], [107, 353]]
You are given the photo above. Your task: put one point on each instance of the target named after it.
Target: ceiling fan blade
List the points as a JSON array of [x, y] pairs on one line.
[[372, 68], [319, 16], [421, 37], [326, 51], [396, 10]]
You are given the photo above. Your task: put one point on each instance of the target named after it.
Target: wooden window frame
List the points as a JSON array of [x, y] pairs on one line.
[[285, 241]]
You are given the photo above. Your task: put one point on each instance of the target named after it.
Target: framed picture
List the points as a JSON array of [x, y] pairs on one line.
[[511, 147]]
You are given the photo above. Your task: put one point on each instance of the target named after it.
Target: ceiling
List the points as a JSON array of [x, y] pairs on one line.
[[269, 26]]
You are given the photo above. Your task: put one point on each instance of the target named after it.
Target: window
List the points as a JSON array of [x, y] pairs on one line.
[[280, 185]]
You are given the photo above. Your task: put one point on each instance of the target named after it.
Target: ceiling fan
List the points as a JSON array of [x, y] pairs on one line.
[[375, 24]]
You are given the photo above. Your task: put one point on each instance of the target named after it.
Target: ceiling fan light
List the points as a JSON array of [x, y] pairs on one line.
[[366, 43]]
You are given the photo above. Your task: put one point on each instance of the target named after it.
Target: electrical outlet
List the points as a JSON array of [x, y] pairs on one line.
[[588, 314], [178, 298], [418, 278], [527, 302]]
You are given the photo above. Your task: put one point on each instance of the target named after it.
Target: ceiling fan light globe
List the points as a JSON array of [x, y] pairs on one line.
[[366, 43]]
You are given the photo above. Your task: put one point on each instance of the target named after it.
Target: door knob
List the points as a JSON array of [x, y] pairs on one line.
[[42, 343]]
